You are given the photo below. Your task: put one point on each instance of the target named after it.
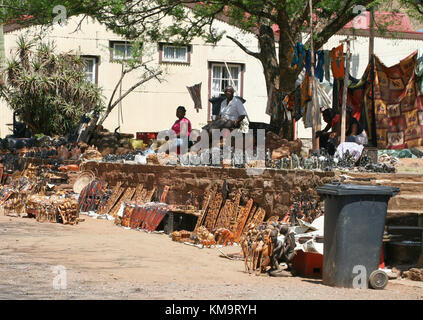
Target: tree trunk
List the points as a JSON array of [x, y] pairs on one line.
[[279, 74]]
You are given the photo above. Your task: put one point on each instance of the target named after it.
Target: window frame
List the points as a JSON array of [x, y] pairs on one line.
[[96, 60], [162, 45], [240, 91], [112, 44]]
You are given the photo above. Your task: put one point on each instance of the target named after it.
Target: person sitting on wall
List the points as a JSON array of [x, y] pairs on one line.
[[181, 129], [323, 135], [232, 112]]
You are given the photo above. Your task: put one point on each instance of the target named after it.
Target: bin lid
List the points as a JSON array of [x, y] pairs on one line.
[[339, 189]]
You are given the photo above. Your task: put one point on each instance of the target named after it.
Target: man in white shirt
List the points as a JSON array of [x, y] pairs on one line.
[[232, 112]]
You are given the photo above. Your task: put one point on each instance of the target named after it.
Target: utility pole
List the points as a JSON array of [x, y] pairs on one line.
[[345, 91], [372, 74], [314, 109]]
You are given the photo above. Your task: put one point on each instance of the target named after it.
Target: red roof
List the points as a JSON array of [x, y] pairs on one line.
[[395, 22]]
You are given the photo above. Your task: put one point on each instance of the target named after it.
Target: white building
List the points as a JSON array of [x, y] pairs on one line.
[[152, 106]]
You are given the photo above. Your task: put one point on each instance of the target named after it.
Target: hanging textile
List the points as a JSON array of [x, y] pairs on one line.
[[398, 105], [319, 70], [195, 92], [326, 54], [308, 120], [319, 61], [355, 94], [299, 55], [337, 62]]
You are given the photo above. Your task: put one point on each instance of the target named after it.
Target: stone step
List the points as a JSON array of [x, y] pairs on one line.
[[406, 187], [392, 214], [408, 202]]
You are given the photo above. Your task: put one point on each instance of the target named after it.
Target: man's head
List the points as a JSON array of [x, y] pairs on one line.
[[180, 112], [229, 92], [327, 115]]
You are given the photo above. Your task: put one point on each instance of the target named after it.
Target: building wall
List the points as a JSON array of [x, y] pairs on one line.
[[152, 107]]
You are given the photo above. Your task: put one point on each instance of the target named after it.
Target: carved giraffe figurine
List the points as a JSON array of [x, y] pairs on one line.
[[266, 254]]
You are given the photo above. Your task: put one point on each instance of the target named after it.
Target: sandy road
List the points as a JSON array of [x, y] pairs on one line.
[[104, 261]]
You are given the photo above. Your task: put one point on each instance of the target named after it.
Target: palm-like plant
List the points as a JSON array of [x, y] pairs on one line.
[[50, 89]]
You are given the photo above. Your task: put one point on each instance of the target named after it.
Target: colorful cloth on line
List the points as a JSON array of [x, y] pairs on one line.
[[398, 105], [319, 61], [337, 62]]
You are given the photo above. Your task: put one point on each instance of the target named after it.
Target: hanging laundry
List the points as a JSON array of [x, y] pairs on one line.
[[297, 104], [299, 55], [319, 60], [305, 90], [308, 61], [195, 92], [308, 121], [318, 70], [337, 62], [327, 64]]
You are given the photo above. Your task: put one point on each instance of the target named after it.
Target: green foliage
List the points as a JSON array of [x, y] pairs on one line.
[[180, 21], [50, 89]]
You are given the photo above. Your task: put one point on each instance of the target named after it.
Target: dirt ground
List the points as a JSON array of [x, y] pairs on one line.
[[104, 261]]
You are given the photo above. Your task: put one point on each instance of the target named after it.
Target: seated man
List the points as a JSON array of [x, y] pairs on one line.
[[232, 112]]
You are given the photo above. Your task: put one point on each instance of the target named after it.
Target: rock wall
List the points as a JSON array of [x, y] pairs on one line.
[[272, 190]]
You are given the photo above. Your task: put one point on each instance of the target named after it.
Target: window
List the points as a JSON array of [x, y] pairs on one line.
[[220, 78], [91, 66], [120, 50], [175, 54]]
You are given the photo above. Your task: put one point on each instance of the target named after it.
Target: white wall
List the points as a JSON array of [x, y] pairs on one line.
[[152, 106]]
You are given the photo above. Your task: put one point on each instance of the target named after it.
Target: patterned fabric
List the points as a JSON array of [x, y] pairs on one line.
[[337, 62], [398, 105]]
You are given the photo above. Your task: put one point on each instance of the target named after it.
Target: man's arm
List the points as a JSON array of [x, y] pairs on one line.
[[241, 111], [238, 121]]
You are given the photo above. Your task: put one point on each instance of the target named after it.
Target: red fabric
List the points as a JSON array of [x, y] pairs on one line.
[[177, 126], [337, 57], [335, 120]]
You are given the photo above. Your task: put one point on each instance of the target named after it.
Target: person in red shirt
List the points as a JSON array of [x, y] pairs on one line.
[[181, 127]]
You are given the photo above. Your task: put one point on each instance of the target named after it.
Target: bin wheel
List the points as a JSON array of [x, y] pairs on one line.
[[378, 280]]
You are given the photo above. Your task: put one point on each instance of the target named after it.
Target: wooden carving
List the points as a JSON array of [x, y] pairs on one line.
[[242, 219], [127, 195], [117, 192], [213, 211]]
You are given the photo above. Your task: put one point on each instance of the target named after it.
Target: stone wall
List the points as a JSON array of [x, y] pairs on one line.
[[271, 190]]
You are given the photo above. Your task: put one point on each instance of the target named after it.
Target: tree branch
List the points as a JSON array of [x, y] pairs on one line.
[[247, 51], [134, 87]]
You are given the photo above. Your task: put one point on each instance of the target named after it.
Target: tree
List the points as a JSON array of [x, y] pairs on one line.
[[50, 90], [143, 20]]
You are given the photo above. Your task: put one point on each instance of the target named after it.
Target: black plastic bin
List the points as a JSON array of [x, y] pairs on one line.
[[354, 222]]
